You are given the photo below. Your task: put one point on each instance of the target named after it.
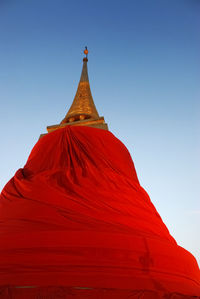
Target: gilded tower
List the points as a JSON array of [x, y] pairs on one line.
[[83, 111]]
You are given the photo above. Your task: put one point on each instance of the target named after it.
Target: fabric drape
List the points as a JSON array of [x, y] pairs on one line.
[[75, 223]]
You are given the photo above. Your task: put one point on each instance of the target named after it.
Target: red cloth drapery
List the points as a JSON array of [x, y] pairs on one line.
[[75, 220]]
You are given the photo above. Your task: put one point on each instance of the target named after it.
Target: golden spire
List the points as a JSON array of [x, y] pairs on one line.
[[82, 111], [83, 106]]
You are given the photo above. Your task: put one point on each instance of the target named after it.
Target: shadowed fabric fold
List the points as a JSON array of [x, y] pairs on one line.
[[75, 221]]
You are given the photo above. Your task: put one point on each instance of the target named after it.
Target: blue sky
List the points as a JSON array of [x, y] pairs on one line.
[[144, 75]]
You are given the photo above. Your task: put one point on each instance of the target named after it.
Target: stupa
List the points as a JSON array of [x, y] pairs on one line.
[[83, 111], [76, 223]]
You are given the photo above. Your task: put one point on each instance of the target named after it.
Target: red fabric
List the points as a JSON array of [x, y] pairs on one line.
[[76, 218]]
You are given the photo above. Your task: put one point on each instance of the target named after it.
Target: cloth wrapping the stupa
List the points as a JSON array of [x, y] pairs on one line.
[[75, 223]]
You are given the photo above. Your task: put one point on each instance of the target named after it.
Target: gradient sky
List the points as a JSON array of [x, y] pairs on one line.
[[144, 75]]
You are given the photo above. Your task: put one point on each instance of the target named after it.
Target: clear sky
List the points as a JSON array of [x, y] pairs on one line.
[[144, 75]]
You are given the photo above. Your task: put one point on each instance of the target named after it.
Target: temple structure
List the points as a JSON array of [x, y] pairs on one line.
[[82, 111], [75, 223]]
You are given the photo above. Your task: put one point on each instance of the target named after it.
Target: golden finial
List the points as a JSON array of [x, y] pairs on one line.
[[86, 52]]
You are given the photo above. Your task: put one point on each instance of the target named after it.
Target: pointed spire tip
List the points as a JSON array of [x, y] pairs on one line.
[[86, 53]]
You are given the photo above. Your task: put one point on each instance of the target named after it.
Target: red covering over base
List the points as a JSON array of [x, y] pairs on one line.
[[76, 218]]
